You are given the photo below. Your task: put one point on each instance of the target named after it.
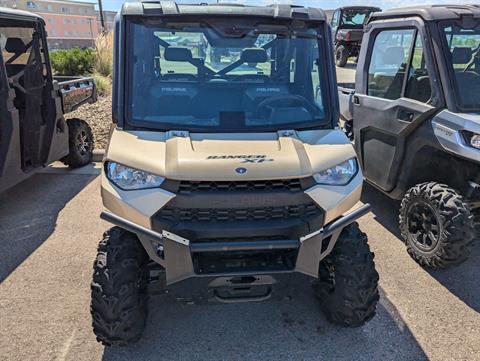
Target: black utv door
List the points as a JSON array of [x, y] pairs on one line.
[[394, 96]]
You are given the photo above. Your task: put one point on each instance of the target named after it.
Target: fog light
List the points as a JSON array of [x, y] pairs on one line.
[[475, 141]]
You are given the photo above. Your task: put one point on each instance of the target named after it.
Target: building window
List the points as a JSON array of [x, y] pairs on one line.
[[64, 9], [51, 21], [74, 21], [31, 5], [49, 7]]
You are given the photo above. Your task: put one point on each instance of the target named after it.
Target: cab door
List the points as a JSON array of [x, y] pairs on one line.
[[394, 96]]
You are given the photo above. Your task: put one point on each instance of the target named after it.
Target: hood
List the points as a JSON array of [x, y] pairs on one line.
[[232, 157]]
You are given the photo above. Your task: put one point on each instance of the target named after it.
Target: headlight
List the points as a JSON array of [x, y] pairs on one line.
[[128, 178], [339, 175]]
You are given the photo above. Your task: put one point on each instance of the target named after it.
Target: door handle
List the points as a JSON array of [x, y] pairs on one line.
[[356, 100]]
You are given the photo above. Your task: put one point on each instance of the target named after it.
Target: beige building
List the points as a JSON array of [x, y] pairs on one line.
[[69, 23]]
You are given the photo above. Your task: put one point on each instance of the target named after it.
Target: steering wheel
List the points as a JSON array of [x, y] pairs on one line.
[[265, 107]]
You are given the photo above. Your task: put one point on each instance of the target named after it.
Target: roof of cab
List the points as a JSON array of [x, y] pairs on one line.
[[430, 12], [18, 14], [360, 8], [170, 8]]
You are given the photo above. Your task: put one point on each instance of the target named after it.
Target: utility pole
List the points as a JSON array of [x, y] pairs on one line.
[[100, 10]]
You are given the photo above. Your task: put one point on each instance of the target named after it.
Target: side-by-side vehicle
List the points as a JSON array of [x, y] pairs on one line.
[[226, 164], [33, 131], [415, 119], [347, 26]]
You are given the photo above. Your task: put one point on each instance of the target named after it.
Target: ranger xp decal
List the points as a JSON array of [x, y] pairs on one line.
[[243, 158]]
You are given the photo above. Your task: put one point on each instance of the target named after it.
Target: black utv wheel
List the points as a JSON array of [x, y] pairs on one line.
[[347, 287], [341, 56], [80, 141], [436, 224], [119, 299]]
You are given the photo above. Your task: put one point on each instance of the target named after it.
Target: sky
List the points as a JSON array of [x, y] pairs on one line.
[[324, 4]]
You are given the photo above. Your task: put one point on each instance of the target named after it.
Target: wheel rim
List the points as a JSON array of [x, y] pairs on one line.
[[338, 56], [424, 226], [82, 142]]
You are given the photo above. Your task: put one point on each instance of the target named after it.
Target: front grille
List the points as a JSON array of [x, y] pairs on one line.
[[291, 185], [237, 214]]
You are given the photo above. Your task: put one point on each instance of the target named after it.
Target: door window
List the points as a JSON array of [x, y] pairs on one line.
[[418, 83], [335, 19], [388, 63]]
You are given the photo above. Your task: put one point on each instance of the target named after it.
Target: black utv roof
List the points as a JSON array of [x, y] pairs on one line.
[[430, 12], [6, 13], [170, 8]]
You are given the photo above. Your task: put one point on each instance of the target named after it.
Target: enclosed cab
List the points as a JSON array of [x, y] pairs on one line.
[[415, 114], [33, 131], [227, 169], [347, 27]]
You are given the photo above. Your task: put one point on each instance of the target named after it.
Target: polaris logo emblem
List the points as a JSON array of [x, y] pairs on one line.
[[243, 158], [241, 170]]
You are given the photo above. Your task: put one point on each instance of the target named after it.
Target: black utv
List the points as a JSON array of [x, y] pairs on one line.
[[33, 131], [415, 115], [347, 26]]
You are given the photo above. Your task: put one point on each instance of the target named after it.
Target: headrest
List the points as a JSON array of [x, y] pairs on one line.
[[461, 55], [254, 55], [15, 46], [393, 55], [178, 53]]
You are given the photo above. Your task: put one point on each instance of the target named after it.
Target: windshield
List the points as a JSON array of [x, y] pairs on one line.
[[354, 17], [210, 74], [464, 49]]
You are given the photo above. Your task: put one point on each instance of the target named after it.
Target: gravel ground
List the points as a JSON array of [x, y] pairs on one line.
[[99, 116]]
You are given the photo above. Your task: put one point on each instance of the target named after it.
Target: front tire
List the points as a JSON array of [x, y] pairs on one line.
[[80, 143], [348, 282], [341, 56], [436, 225], [119, 300]]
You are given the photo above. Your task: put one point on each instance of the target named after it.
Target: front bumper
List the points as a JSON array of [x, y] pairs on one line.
[[177, 254]]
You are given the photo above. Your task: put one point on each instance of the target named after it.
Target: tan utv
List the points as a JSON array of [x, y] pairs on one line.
[[229, 170]]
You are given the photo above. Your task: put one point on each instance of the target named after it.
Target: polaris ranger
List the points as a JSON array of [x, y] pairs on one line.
[[33, 131], [347, 26], [415, 115], [234, 174]]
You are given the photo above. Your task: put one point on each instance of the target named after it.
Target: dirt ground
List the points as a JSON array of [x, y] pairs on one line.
[[99, 116]]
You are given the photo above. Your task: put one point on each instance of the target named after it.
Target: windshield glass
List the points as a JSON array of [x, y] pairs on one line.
[[464, 49], [203, 75], [354, 17]]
